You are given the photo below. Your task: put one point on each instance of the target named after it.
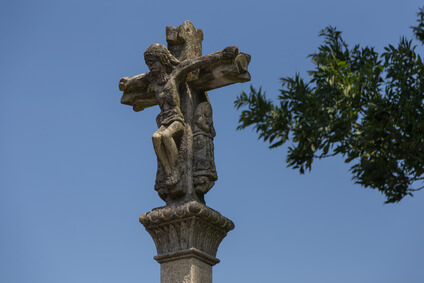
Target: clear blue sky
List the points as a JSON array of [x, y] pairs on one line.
[[77, 168]]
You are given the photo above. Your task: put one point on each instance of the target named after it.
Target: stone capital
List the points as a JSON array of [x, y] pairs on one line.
[[188, 230]]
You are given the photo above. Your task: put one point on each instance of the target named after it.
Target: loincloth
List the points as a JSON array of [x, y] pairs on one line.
[[166, 118]]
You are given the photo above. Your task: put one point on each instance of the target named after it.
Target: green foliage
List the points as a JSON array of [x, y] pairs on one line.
[[419, 29], [364, 106]]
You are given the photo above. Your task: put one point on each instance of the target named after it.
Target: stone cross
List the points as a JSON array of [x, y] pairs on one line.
[[177, 81], [186, 232]]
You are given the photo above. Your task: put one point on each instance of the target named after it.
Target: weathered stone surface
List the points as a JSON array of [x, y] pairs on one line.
[[186, 270], [184, 41], [190, 227], [177, 81], [187, 238]]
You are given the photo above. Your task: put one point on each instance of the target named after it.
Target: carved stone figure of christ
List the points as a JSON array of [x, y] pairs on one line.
[[166, 75]]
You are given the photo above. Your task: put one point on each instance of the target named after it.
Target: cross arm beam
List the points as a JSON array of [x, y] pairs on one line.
[[206, 61], [223, 73]]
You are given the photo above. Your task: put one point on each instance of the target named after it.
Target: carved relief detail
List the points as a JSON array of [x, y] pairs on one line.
[[204, 171], [189, 226]]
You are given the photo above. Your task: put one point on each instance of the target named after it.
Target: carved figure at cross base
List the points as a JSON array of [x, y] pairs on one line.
[[177, 81]]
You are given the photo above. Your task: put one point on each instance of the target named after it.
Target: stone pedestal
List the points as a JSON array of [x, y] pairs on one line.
[[187, 238]]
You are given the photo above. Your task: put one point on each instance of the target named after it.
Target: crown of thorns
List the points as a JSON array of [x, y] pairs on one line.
[[155, 54], [156, 50]]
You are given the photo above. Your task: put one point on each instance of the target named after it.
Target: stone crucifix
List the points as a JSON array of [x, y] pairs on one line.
[[186, 232], [177, 81]]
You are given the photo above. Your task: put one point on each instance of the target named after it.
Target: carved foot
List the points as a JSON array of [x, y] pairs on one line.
[[172, 180]]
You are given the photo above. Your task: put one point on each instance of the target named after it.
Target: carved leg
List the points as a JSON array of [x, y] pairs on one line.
[[160, 149], [172, 150]]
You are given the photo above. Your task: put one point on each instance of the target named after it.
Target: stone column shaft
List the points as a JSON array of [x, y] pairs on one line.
[[187, 269]]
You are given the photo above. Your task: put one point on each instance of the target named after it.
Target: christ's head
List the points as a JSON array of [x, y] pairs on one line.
[[158, 59]]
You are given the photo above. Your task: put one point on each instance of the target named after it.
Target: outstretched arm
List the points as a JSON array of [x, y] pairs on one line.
[[139, 82], [138, 92], [205, 61]]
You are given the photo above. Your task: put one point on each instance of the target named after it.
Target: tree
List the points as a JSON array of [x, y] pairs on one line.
[[366, 107]]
